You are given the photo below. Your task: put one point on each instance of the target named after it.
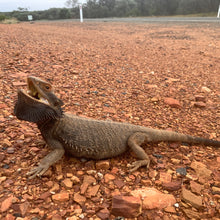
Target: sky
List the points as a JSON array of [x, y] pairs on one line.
[[32, 5]]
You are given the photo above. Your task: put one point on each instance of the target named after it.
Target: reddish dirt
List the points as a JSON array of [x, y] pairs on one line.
[[115, 71]]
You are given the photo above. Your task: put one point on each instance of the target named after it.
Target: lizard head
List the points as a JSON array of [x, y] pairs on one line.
[[38, 103]]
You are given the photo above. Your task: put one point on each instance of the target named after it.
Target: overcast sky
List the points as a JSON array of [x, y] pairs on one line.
[[32, 5]]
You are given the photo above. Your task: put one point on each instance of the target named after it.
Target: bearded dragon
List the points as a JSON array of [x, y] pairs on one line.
[[83, 137]]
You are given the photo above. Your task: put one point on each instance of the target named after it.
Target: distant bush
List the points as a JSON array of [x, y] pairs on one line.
[[3, 17]]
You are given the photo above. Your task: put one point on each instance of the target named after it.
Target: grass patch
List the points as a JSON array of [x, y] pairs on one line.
[[10, 21]]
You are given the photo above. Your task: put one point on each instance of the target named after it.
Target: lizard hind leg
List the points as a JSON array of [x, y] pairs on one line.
[[134, 142]]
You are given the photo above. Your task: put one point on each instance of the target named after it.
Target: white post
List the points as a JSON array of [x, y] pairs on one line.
[[81, 12], [218, 11]]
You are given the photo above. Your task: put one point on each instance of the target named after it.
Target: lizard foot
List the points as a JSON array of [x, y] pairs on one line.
[[37, 171], [135, 165]]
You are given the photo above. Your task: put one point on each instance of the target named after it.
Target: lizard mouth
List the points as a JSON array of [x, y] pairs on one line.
[[33, 93]]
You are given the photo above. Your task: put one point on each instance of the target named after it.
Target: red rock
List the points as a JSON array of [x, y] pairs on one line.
[[6, 204], [172, 186], [45, 195], [165, 177], [67, 183], [27, 197], [6, 143], [172, 102], [195, 201], [10, 150], [155, 99], [200, 98], [35, 211], [61, 197], [9, 217], [84, 187], [35, 149], [216, 190], [24, 207], [202, 172], [103, 214], [75, 179], [158, 201], [102, 165], [170, 209], [49, 184], [152, 174], [92, 191], [16, 207], [192, 214], [119, 183], [55, 188], [196, 187], [69, 175], [108, 177], [79, 199], [126, 206], [88, 180], [199, 104], [175, 161], [152, 198]]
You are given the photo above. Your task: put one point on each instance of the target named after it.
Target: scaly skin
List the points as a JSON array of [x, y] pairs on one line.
[[88, 138]]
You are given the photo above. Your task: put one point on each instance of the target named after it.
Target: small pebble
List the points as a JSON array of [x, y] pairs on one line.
[[176, 205], [182, 171], [100, 175], [82, 216], [10, 150]]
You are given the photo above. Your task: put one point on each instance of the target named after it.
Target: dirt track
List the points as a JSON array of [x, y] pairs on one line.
[[122, 72]]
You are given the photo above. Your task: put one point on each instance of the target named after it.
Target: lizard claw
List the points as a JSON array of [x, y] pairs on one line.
[[37, 171], [137, 164]]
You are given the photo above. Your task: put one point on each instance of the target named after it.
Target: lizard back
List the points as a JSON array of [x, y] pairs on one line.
[[95, 139]]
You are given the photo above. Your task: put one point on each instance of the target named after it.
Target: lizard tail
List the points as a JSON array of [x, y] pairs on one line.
[[162, 135]]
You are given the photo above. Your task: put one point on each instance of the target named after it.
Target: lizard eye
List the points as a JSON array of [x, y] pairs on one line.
[[47, 87]]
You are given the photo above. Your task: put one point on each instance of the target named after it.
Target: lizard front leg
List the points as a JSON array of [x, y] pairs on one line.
[[55, 155], [134, 142]]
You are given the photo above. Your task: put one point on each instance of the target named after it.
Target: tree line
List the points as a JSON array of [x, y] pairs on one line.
[[51, 14], [120, 8]]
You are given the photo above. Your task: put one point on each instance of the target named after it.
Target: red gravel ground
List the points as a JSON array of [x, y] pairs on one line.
[[122, 72]]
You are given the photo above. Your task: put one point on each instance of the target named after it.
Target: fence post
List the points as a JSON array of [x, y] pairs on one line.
[[81, 13], [218, 15]]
